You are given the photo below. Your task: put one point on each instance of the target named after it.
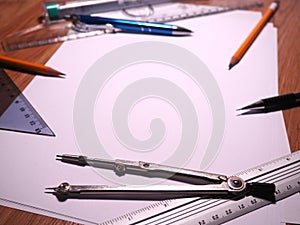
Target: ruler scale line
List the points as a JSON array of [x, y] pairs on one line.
[[284, 172], [271, 171], [56, 32], [17, 114]]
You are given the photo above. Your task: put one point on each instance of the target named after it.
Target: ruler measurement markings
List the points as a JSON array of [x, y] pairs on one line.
[[197, 11], [260, 172], [270, 164], [206, 205], [33, 118], [255, 200], [17, 114], [278, 174], [15, 42], [129, 216], [183, 208], [198, 212], [195, 213], [244, 206], [172, 217], [287, 180], [248, 170], [266, 202], [288, 174]]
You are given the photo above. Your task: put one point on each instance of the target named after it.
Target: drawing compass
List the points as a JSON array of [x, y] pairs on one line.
[[200, 184]]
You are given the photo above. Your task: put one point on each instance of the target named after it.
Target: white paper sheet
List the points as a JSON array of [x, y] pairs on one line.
[[168, 100]]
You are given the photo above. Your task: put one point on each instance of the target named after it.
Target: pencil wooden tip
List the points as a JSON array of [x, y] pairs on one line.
[[53, 72], [233, 62]]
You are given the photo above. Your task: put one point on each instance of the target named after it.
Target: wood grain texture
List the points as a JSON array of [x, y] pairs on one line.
[[19, 14]]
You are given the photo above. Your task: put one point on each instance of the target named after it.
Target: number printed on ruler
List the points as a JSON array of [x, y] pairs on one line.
[[283, 172], [16, 112]]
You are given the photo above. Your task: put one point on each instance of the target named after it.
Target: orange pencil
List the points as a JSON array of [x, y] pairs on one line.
[[27, 67], [238, 55]]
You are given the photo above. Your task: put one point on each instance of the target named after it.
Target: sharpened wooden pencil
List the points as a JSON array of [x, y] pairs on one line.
[[27, 67], [238, 55]]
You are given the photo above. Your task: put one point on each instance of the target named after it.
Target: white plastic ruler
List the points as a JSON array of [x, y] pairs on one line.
[[16, 112], [283, 172], [170, 12]]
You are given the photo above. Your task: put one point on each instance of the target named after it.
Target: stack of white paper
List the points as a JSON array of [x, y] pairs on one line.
[[168, 100]]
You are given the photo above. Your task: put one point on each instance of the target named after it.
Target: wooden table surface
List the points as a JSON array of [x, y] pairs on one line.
[[19, 14]]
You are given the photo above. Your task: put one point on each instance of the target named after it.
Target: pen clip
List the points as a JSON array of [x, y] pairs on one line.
[[82, 27]]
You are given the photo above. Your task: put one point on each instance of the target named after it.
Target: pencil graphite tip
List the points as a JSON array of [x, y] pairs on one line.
[[54, 72], [54, 75], [62, 75], [233, 62]]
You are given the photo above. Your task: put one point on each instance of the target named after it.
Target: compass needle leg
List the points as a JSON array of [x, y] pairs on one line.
[[201, 184]]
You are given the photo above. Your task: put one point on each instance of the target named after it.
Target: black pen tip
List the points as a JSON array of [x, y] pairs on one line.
[[72, 159], [250, 112], [243, 108], [185, 30], [181, 31]]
